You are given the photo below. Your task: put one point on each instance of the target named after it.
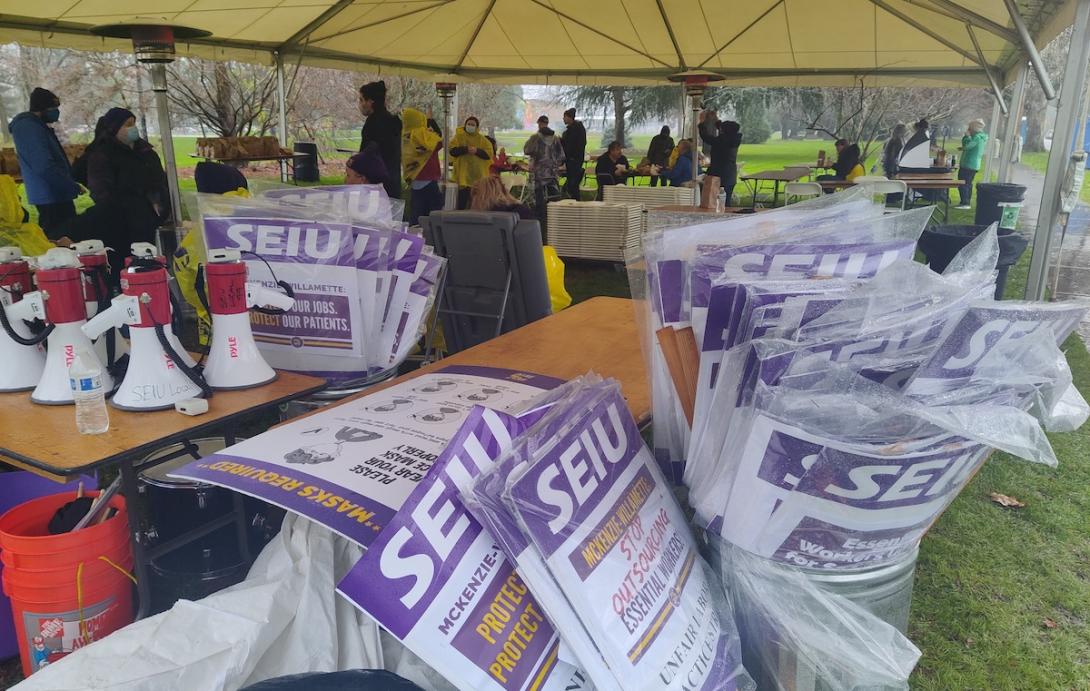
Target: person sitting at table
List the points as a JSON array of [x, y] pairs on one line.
[[848, 166], [681, 172], [365, 168], [472, 154], [489, 194], [724, 152], [611, 168]]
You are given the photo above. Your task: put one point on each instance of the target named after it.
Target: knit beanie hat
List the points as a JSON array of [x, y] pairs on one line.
[[374, 91], [42, 99], [370, 165], [570, 112], [114, 118]]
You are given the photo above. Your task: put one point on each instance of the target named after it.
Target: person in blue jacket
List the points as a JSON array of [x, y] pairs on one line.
[[43, 163], [682, 172]]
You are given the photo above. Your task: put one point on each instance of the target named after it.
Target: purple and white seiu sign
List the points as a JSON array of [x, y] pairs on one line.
[[983, 329], [436, 579], [318, 260], [825, 503], [617, 545], [804, 261], [356, 202]]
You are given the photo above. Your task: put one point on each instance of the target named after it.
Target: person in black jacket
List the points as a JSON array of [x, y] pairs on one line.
[[658, 154], [381, 132], [611, 168], [574, 140], [724, 153], [128, 185]]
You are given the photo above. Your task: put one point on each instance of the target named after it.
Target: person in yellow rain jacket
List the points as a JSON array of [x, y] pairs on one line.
[[420, 140], [472, 154]]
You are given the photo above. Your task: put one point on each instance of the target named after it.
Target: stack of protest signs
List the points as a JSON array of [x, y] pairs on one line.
[[824, 398], [363, 285]]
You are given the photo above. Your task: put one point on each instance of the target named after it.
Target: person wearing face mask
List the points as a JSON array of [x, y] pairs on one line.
[[126, 180], [43, 163], [381, 133], [472, 154], [547, 156]]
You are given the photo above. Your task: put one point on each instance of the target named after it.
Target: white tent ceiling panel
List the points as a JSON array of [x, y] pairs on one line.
[[774, 42]]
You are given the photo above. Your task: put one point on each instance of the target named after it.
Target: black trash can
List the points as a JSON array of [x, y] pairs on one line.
[[988, 197], [306, 165], [940, 243]]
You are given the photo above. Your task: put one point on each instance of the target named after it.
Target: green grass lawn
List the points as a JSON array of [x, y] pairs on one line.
[[1038, 160]]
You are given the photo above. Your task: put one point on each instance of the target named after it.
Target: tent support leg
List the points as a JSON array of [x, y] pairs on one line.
[[162, 105], [989, 153], [1031, 49], [1067, 110], [1014, 124], [282, 113]]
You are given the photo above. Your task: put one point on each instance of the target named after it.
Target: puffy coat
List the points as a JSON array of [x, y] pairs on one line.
[[972, 150], [42, 161], [418, 142]]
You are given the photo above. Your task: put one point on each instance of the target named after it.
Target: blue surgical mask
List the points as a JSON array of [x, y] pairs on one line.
[[52, 114], [471, 129], [132, 134]]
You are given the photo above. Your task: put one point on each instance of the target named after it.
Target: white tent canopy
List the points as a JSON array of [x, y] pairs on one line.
[[758, 42]]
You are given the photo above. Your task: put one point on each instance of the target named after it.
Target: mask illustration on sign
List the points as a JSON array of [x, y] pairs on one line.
[[435, 387], [391, 406], [324, 453], [440, 414], [479, 395]]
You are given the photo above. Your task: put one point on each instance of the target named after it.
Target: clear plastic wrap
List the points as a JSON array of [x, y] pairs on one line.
[[596, 532], [800, 637]]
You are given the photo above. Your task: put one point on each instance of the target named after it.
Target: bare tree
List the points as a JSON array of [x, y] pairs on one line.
[[228, 98]]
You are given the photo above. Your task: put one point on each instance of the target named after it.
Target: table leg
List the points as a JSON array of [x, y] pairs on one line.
[[775, 192], [240, 510], [131, 491]]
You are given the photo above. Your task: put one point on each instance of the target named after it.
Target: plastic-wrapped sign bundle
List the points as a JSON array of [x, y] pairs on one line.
[[596, 533], [437, 580], [829, 466], [363, 286], [844, 396]]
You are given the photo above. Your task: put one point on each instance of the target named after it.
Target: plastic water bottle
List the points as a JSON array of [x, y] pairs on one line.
[[85, 378], [722, 200]]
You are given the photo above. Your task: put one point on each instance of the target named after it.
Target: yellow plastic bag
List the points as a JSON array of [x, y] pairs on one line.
[[28, 237], [554, 273], [188, 258]]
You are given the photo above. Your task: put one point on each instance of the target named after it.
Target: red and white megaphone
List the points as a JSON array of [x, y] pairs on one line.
[[234, 362], [155, 379], [147, 252], [22, 357], [96, 295], [60, 290]]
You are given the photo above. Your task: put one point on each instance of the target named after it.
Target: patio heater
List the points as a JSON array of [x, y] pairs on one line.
[[447, 90], [153, 45], [696, 83]]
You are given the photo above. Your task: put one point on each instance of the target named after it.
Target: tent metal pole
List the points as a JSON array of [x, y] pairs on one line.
[[989, 157], [952, 9], [1031, 50], [282, 113], [166, 140], [1014, 123], [997, 91], [1067, 110]]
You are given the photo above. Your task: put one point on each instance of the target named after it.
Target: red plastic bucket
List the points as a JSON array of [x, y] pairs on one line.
[[58, 606]]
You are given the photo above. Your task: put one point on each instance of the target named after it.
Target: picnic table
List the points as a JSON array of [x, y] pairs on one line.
[[776, 177], [916, 182]]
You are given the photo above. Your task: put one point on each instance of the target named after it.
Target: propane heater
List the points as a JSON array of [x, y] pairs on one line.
[[696, 83], [153, 45], [447, 89]]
